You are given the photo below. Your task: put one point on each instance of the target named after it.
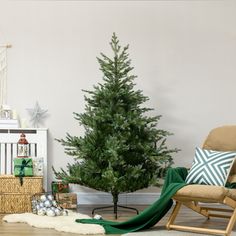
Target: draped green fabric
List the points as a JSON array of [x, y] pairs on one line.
[[174, 180]]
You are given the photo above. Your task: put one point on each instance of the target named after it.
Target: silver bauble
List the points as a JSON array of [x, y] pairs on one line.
[[50, 197], [34, 211], [43, 198], [50, 212], [65, 212], [97, 217], [41, 212], [54, 203], [53, 208], [41, 204], [47, 203], [57, 212], [44, 208], [38, 207], [34, 202]]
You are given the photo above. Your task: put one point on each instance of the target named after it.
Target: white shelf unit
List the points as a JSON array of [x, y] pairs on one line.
[[37, 138]]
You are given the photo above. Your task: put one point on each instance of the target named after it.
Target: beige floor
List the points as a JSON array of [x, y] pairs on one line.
[[192, 219]]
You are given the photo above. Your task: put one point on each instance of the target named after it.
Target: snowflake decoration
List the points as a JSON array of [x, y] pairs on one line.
[[37, 114]]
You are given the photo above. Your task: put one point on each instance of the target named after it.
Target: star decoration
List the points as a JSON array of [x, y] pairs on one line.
[[37, 114]]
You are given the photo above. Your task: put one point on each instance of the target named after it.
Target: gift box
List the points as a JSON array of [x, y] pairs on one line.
[[37, 166], [23, 167], [67, 200], [60, 187]]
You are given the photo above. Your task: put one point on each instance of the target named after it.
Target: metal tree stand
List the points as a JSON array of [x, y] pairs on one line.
[[115, 207]]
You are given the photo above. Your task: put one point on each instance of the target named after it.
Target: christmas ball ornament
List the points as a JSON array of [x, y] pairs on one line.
[[47, 203], [50, 197], [34, 202], [64, 212], [44, 208], [53, 208], [38, 207], [50, 212], [41, 212], [97, 217], [34, 211], [54, 203], [41, 204], [43, 198], [57, 212]]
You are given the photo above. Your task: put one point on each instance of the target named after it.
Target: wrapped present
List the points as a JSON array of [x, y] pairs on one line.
[[23, 167], [67, 200], [37, 166], [59, 187]]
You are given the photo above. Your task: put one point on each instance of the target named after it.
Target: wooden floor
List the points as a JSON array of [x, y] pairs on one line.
[[186, 216]]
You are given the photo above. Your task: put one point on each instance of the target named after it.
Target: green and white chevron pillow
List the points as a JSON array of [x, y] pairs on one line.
[[210, 167]]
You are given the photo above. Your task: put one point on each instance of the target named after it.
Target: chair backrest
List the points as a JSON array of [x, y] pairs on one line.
[[223, 139]]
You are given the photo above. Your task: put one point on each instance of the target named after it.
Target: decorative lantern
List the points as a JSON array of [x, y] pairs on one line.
[[5, 112], [22, 147]]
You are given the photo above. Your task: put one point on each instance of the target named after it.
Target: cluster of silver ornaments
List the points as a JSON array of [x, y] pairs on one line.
[[47, 205]]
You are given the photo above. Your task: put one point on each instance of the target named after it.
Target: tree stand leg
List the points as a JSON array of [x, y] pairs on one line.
[[115, 207]]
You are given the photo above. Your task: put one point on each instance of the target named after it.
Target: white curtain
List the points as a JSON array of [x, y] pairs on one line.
[[3, 76]]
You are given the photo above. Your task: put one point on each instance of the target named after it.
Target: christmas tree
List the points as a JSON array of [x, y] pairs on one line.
[[122, 150]]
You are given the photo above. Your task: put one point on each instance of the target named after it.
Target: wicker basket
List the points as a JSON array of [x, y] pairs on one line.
[[11, 184], [15, 198], [15, 203]]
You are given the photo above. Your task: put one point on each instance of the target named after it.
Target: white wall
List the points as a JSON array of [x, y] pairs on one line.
[[184, 53]]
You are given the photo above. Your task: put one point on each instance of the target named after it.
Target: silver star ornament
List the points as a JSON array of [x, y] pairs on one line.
[[37, 114]]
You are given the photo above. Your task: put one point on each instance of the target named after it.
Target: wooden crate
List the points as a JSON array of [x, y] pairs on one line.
[[15, 198], [67, 200]]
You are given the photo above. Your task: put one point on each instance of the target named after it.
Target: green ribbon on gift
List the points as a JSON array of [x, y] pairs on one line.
[[22, 167]]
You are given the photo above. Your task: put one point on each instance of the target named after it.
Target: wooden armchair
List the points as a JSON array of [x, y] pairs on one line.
[[219, 139]]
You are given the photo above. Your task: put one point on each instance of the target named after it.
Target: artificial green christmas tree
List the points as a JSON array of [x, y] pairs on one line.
[[122, 150]]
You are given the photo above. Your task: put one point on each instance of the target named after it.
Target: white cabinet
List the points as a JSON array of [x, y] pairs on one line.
[[37, 138]]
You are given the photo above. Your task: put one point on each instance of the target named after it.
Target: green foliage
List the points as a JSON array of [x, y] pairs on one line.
[[122, 150]]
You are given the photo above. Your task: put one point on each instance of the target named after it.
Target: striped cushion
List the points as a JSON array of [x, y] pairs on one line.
[[210, 167]]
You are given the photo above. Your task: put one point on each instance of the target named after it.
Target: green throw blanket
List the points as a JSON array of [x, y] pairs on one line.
[[151, 215]]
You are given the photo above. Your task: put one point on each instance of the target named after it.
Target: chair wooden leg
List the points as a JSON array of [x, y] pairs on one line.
[[199, 230], [231, 223], [173, 215], [203, 211]]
